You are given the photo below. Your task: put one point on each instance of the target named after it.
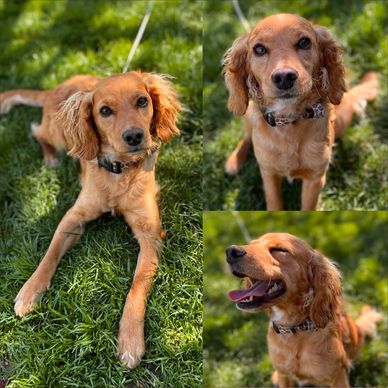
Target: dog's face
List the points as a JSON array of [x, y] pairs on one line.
[[284, 271], [284, 58], [120, 115], [122, 111]]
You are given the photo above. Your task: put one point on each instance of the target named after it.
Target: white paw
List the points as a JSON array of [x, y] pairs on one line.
[[24, 305], [131, 350], [29, 297], [5, 107], [131, 359]]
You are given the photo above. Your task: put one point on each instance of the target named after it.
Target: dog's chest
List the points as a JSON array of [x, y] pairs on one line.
[[294, 355], [291, 156]]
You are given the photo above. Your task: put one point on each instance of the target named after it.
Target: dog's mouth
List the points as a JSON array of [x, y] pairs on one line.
[[261, 292], [287, 96]]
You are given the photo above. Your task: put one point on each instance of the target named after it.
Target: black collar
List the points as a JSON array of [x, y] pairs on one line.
[[117, 167], [306, 325], [313, 112]]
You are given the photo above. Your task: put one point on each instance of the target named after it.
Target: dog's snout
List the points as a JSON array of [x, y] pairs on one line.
[[233, 253], [133, 136], [285, 78]]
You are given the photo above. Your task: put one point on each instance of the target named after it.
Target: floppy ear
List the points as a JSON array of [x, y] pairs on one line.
[[324, 279], [236, 75], [332, 71], [76, 118], [166, 106]]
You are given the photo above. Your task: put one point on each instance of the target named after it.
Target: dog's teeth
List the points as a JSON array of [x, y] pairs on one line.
[[274, 288], [251, 298]]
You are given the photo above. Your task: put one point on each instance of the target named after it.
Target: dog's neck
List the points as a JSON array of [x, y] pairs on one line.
[[120, 164], [282, 112], [290, 321], [290, 314]]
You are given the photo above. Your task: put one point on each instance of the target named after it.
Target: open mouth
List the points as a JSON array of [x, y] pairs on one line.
[[261, 291]]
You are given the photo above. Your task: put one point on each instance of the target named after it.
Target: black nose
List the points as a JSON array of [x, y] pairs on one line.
[[284, 79], [233, 253], [133, 136]]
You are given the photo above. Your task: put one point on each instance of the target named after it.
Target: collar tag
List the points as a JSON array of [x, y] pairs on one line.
[[116, 167], [270, 119]]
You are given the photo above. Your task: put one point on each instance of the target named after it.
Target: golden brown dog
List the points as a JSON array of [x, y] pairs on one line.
[[287, 79], [109, 124], [310, 336]]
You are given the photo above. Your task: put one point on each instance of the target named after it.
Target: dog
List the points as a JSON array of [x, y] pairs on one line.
[[110, 124], [287, 78], [310, 336]]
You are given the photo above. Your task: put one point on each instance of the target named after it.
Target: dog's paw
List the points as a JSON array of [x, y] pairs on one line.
[[51, 161], [131, 350], [4, 107], [28, 298], [232, 166]]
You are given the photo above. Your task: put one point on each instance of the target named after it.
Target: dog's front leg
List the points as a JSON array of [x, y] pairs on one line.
[[311, 189], [66, 235], [284, 381], [272, 190], [341, 380], [131, 345]]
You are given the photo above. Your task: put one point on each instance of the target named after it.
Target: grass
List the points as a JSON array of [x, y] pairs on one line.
[[357, 178], [70, 340], [235, 348]]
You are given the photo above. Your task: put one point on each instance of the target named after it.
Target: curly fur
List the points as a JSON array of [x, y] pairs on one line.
[[76, 119]]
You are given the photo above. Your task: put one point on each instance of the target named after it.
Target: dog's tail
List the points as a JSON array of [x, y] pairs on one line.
[[355, 101], [366, 322], [21, 97]]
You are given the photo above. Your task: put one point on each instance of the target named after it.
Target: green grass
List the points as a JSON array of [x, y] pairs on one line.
[[70, 340], [357, 178], [235, 348]]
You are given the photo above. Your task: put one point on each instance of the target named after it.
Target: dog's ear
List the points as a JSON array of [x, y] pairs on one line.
[[76, 118], [332, 72], [166, 106], [236, 75], [324, 280]]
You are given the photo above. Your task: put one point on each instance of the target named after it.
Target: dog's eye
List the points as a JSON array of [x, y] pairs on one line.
[[142, 102], [304, 43], [105, 111], [259, 50], [273, 250]]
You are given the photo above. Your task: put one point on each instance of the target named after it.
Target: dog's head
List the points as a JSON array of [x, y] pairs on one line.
[[119, 115], [284, 271], [284, 57]]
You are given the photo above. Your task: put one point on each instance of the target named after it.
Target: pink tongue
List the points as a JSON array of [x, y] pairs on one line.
[[258, 289]]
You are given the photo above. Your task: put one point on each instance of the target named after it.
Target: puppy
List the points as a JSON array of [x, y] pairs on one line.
[[287, 79], [310, 336], [112, 126]]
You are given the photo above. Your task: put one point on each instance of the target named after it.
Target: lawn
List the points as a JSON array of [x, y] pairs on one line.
[[357, 178], [70, 340], [235, 349]]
